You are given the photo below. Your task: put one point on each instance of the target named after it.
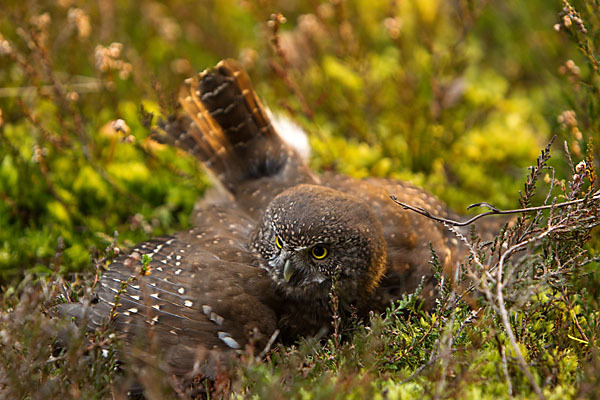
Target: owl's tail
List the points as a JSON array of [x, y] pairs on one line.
[[227, 128]]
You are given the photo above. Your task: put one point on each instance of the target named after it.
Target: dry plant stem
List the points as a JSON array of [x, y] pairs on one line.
[[485, 270], [334, 305], [58, 94], [275, 22], [504, 314], [499, 300], [87, 85], [445, 349], [494, 210], [268, 346], [505, 367], [584, 43], [281, 72]]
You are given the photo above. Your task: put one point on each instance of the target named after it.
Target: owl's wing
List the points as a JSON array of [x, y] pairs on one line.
[[199, 308], [409, 236], [227, 128]]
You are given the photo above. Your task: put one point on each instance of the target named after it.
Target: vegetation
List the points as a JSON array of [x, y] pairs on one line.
[[458, 96]]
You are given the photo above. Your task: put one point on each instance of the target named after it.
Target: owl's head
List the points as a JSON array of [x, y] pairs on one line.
[[311, 235]]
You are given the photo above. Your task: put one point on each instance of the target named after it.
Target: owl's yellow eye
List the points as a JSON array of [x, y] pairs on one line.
[[278, 242], [319, 252]]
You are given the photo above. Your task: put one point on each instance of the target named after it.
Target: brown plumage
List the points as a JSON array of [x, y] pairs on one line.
[[263, 254]]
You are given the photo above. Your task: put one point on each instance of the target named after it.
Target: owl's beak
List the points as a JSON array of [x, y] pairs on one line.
[[288, 271]]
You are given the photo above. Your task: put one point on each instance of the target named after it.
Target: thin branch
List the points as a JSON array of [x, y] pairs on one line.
[[504, 313], [268, 345], [505, 367], [494, 210], [82, 85]]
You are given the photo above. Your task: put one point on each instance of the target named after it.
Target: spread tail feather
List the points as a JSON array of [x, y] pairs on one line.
[[226, 127]]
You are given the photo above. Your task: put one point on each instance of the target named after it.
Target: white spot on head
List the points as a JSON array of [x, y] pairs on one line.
[[155, 295], [133, 310], [177, 272], [188, 303], [181, 290]]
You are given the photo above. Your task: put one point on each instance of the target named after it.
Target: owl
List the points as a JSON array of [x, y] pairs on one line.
[[269, 245]]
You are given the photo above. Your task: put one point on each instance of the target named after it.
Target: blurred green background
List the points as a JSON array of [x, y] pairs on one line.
[[457, 96]]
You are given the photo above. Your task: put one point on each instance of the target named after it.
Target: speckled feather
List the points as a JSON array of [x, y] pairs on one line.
[[202, 290]]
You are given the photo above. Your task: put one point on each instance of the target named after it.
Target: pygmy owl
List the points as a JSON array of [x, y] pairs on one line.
[[270, 245]]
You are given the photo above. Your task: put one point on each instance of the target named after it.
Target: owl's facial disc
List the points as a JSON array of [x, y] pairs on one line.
[[309, 235], [290, 266]]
